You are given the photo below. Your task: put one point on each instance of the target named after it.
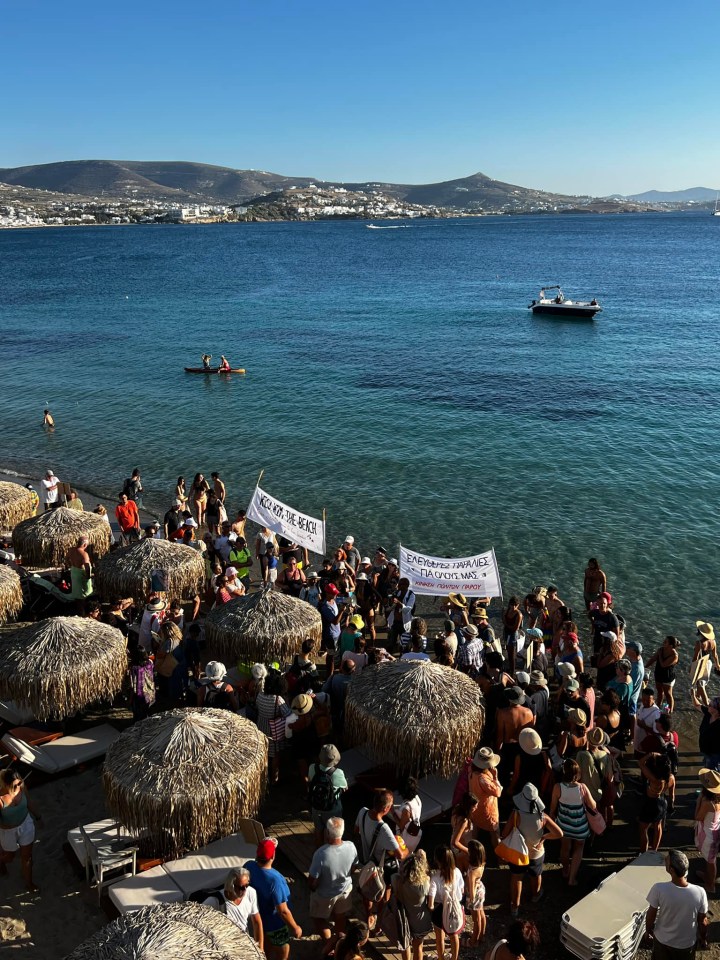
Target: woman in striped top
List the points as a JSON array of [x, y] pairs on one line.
[[570, 798]]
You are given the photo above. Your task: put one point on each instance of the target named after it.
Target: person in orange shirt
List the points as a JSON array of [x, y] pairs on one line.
[[484, 784], [128, 518]]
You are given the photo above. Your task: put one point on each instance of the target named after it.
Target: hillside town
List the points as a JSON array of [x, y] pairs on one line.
[[26, 207]]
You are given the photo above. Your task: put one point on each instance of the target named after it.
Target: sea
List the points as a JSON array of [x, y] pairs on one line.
[[396, 380]]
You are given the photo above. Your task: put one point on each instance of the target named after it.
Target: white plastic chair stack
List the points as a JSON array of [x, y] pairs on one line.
[[608, 924]]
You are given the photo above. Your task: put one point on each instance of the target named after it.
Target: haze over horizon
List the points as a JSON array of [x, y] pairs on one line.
[[553, 98]]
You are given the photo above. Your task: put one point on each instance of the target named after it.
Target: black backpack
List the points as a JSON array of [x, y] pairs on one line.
[[216, 697], [672, 754], [322, 792]]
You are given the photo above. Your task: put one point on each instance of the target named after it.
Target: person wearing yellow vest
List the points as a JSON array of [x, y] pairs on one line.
[[241, 559]]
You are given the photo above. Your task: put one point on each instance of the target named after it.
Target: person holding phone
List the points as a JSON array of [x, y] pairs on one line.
[[18, 816]]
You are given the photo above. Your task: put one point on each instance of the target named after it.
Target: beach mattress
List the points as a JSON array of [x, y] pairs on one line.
[[146, 889], [65, 753], [431, 807], [440, 789], [355, 762], [209, 866], [13, 713]]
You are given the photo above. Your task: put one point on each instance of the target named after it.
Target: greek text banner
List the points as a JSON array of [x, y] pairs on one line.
[[476, 576], [278, 517]]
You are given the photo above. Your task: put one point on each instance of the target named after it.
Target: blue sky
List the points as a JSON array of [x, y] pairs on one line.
[[601, 98]]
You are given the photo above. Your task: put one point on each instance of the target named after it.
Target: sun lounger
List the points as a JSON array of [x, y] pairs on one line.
[[145, 890], [65, 753], [439, 789], [431, 808], [354, 763], [209, 866], [14, 713], [178, 879], [608, 924]]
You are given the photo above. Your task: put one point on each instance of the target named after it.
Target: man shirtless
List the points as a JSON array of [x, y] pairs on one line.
[[510, 720], [78, 560]]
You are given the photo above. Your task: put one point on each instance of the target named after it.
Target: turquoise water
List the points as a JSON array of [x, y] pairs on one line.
[[396, 378]]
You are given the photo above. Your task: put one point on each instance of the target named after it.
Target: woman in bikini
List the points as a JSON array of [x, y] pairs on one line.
[[665, 660]]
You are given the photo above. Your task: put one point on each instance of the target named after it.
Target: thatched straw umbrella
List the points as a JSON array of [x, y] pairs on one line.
[[263, 626], [170, 931], [417, 715], [46, 539], [127, 572], [11, 595], [15, 504], [60, 665], [186, 777]]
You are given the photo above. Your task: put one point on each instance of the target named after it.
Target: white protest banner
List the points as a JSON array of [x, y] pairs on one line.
[[437, 576], [278, 517]]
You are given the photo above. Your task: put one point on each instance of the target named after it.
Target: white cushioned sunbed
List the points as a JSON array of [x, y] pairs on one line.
[[65, 753], [209, 866], [355, 762], [145, 889], [440, 789], [101, 833], [14, 714], [178, 879]]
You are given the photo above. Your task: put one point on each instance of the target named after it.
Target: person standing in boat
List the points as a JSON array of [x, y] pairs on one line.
[[206, 358]]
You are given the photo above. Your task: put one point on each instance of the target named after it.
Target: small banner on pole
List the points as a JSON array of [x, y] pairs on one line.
[[278, 517], [476, 576]]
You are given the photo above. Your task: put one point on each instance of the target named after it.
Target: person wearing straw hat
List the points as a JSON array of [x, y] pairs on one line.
[[677, 920], [596, 767], [532, 764], [707, 825], [536, 827], [705, 646], [456, 607], [152, 617], [574, 736], [512, 717], [484, 784]]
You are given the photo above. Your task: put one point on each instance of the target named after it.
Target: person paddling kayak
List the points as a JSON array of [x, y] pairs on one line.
[[224, 365]]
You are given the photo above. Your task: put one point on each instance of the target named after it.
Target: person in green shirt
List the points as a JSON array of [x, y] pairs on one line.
[[241, 559]]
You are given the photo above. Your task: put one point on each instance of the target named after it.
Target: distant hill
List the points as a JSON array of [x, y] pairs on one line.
[[697, 194], [200, 182]]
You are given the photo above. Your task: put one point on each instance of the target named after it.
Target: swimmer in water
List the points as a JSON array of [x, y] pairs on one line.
[[48, 420]]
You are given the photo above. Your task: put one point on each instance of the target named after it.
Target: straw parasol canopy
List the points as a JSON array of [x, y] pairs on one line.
[[127, 572], [420, 716], [186, 777], [15, 504], [170, 931], [60, 665], [263, 626], [46, 539], [11, 595]]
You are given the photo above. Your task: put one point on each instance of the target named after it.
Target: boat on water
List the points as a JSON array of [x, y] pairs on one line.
[[716, 211], [560, 306], [214, 370]]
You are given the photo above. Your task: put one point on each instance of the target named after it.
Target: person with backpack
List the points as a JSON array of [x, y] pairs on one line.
[[326, 785], [379, 848], [447, 889], [330, 878], [237, 900], [215, 691], [303, 743]]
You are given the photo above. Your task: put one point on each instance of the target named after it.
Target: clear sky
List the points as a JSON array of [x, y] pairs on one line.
[[567, 96]]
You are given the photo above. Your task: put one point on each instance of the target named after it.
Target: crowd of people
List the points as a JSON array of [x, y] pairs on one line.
[[571, 705]]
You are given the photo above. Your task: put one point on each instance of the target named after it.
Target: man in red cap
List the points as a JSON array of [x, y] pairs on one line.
[[273, 895]]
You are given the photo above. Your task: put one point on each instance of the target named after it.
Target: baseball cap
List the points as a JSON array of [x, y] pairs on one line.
[[572, 684], [331, 590], [349, 540], [266, 849], [177, 503]]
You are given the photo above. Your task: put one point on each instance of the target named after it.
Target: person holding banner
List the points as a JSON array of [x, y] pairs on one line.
[[400, 613]]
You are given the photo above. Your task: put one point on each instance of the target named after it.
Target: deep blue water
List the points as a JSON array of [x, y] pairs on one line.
[[396, 378]]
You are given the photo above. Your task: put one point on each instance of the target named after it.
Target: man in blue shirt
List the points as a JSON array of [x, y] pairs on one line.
[[273, 895], [331, 615]]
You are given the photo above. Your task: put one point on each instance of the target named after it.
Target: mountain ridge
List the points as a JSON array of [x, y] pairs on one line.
[[189, 181]]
